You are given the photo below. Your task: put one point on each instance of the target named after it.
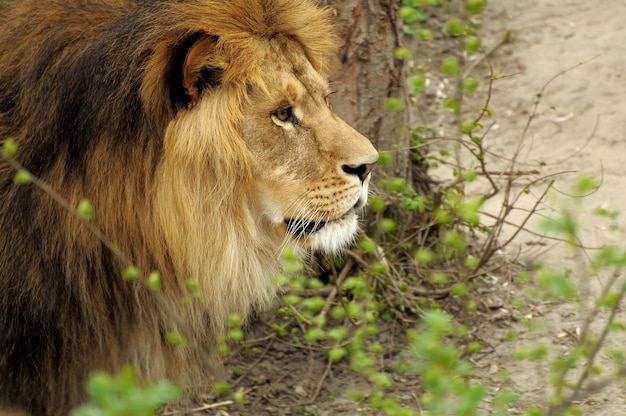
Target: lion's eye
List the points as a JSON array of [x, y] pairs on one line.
[[285, 115]]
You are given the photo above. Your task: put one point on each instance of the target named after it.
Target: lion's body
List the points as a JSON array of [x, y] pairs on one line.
[[195, 130]]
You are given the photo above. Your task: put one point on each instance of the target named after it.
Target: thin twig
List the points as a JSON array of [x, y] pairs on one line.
[[321, 382], [207, 406]]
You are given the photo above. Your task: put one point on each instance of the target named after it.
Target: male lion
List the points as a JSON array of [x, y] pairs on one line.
[[201, 134]]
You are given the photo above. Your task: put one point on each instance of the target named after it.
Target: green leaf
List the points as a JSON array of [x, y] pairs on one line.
[[454, 27], [469, 85], [313, 304], [451, 66], [154, 281], [474, 6], [313, 283], [99, 384], [338, 333], [459, 289], [605, 212], [388, 225], [416, 83], [471, 400], [385, 159], [409, 14], [424, 35], [467, 127], [337, 312], [367, 245], [469, 210], [437, 321], [22, 177], [335, 354], [439, 278], [586, 185], [441, 216], [609, 300], [413, 204], [130, 273], [567, 225], [354, 284], [377, 204], [239, 396], [471, 262], [397, 185], [235, 321], [402, 53], [468, 175], [314, 334], [454, 240], [291, 299], [9, 148], [394, 104], [424, 256], [235, 334], [221, 387], [452, 105], [360, 361], [194, 288], [84, 209], [354, 310], [378, 268], [471, 44], [377, 348], [556, 284], [381, 380], [291, 262], [175, 339]]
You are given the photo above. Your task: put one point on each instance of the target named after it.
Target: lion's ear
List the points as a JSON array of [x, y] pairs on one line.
[[193, 69]]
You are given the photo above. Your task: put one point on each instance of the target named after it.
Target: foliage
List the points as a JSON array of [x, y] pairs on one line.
[[123, 395]]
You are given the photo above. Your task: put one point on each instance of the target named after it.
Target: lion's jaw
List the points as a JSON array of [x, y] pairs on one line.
[[339, 233], [330, 235]]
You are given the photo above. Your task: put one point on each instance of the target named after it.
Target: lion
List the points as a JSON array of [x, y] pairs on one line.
[[201, 133]]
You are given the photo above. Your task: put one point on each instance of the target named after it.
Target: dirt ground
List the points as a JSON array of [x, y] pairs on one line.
[[580, 130]]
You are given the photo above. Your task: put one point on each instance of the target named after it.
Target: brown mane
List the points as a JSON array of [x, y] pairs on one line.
[[92, 93]]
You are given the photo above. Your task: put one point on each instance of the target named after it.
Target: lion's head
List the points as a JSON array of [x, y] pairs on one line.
[[311, 169], [201, 133], [307, 169]]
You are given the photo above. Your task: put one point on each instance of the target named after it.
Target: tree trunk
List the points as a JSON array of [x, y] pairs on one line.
[[366, 74]]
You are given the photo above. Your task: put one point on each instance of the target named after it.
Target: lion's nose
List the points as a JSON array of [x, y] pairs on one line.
[[360, 170]]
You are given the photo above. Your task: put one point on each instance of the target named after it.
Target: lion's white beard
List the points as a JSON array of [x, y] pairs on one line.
[[336, 235]]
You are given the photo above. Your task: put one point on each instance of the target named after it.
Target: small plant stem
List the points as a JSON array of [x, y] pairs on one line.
[[597, 346], [320, 383], [64, 203]]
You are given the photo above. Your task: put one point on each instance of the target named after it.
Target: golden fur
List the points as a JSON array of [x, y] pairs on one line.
[[199, 130]]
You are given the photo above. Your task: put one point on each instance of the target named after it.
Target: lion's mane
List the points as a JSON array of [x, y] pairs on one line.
[[92, 93]]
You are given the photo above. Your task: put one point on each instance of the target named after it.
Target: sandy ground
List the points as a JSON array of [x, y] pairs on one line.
[[581, 130], [581, 126]]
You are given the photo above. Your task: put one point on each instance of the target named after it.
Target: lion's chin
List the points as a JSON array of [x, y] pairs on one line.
[[328, 237]]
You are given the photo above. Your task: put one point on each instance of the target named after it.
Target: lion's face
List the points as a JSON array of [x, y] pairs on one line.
[[311, 170]]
